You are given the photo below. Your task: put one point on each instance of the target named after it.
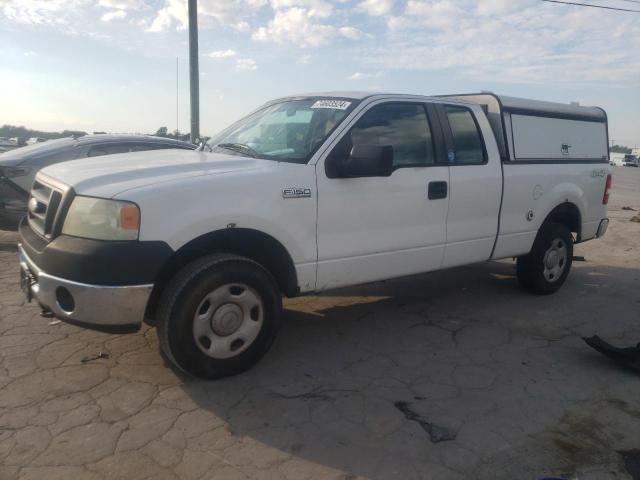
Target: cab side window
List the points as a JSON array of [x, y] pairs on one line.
[[467, 140], [404, 126]]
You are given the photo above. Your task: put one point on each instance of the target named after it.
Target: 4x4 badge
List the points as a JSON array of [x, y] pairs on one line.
[[296, 192]]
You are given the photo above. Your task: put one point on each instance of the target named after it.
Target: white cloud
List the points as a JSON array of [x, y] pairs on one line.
[[521, 41], [113, 15], [305, 59], [174, 11], [517, 41], [122, 4], [376, 7], [231, 14], [222, 54], [351, 33], [240, 26], [40, 12], [315, 8], [364, 76], [301, 27], [246, 64]]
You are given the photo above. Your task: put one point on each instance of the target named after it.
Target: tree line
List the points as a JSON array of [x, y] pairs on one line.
[[23, 133]]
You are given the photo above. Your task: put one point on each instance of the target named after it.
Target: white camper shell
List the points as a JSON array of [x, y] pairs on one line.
[[536, 131]]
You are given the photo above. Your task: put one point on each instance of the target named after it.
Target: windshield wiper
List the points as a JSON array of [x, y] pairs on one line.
[[240, 148]]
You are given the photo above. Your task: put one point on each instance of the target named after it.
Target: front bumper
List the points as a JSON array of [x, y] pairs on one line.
[[99, 306]]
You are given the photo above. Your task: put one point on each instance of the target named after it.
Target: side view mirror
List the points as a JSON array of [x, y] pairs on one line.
[[367, 161]]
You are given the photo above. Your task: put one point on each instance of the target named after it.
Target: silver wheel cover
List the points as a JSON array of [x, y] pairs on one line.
[[228, 320], [555, 260]]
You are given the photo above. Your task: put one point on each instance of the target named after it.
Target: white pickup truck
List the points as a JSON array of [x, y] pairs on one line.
[[310, 193]]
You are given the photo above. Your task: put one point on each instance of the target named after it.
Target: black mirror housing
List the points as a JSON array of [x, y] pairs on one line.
[[368, 161]]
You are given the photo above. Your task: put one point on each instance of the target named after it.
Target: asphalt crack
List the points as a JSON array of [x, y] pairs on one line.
[[436, 433]]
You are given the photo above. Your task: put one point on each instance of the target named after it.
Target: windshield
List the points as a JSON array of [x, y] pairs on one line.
[[288, 131]]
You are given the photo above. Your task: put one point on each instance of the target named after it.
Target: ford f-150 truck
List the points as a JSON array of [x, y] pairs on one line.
[[309, 193]]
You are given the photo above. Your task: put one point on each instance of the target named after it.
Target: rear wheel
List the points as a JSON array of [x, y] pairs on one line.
[[546, 267], [219, 315]]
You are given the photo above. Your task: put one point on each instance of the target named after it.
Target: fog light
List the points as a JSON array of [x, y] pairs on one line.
[[65, 300]]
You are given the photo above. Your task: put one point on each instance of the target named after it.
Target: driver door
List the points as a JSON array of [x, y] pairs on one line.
[[373, 228]]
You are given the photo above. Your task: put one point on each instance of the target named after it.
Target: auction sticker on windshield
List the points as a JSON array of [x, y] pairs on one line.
[[333, 104]]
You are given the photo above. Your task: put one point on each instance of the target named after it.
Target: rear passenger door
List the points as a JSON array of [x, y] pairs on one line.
[[374, 228], [475, 184]]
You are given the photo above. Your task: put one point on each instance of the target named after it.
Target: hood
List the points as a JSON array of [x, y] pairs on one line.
[[112, 174]]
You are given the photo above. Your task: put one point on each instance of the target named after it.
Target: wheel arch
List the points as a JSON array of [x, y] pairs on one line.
[[253, 244], [568, 214]]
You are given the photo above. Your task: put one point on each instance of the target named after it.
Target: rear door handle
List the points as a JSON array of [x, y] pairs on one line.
[[437, 190]]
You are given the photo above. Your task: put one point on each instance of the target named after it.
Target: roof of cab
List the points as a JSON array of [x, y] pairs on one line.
[[355, 95], [512, 104]]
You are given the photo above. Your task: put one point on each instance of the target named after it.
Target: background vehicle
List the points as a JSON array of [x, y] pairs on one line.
[[310, 193], [617, 159], [18, 167], [630, 161]]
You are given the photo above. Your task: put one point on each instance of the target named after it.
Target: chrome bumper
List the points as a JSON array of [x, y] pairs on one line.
[[98, 305]]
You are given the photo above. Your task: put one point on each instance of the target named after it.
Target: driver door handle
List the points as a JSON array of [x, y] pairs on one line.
[[437, 190]]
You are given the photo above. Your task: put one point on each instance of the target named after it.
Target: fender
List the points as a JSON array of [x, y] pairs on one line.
[[561, 193]]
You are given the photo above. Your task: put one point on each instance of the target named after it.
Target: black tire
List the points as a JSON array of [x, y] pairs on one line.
[[185, 292], [531, 268]]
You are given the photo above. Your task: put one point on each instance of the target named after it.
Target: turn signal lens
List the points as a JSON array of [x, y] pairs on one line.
[[605, 197], [130, 218]]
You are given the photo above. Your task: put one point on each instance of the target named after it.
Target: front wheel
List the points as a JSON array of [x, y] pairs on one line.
[[546, 267], [218, 316]]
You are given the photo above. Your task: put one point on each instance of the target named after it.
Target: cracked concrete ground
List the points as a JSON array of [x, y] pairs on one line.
[[451, 375]]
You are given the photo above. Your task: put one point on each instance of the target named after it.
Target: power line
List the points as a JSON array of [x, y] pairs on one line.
[[593, 6]]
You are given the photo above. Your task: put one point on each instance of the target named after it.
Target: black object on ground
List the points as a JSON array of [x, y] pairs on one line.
[[95, 357], [628, 357], [436, 434], [631, 462]]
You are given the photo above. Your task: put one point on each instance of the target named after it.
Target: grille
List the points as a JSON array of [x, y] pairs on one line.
[[43, 206]]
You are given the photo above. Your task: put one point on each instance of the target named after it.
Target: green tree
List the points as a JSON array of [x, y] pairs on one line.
[[162, 132], [620, 149]]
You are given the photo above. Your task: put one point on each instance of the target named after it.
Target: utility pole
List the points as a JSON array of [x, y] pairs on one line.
[[177, 101], [193, 71]]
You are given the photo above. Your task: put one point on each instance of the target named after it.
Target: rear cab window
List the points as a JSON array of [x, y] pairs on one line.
[[467, 145]]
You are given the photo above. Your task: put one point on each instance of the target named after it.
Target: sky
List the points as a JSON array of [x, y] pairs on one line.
[[110, 65]]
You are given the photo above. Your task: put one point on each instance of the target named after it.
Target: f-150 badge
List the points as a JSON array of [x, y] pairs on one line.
[[296, 192]]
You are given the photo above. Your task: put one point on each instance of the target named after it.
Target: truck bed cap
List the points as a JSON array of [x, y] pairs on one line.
[[525, 106]]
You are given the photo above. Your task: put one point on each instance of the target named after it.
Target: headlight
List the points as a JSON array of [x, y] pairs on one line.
[[102, 219]]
